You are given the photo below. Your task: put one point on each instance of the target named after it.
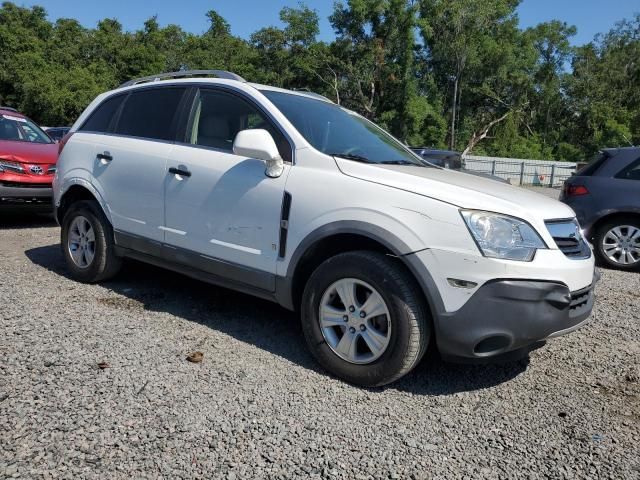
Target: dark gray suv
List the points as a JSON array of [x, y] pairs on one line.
[[605, 195]]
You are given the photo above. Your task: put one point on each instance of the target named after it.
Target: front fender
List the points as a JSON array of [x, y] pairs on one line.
[[391, 241]]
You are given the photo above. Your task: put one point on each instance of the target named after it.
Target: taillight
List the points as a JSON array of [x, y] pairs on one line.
[[575, 190], [63, 142]]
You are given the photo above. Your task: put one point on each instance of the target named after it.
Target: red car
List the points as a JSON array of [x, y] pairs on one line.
[[27, 161]]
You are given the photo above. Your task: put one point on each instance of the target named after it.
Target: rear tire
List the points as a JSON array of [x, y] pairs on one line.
[[618, 241], [399, 334], [88, 244]]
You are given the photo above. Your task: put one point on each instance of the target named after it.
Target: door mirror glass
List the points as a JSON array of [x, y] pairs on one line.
[[259, 144]]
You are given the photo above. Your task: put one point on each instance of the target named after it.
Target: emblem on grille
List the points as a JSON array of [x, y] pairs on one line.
[[37, 170]]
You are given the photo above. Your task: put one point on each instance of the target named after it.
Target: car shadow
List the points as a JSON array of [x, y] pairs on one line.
[[265, 324], [11, 218]]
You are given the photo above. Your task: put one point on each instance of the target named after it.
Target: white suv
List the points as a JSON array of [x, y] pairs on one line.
[[290, 197]]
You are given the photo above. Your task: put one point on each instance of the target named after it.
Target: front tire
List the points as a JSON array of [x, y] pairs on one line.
[[364, 318], [617, 244], [88, 244]]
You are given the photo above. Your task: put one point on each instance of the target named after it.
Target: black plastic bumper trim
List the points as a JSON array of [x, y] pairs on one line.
[[524, 312]]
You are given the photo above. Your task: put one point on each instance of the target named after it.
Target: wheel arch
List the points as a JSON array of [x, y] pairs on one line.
[[77, 191], [618, 214], [344, 236]]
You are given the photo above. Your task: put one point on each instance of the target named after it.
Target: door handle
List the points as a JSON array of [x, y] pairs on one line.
[[182, 171], [104, 157]]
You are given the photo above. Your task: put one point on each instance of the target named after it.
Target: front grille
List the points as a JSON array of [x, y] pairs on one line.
[[569, 238]]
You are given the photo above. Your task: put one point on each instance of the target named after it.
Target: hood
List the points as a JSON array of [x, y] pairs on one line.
[[29, 152], [460, 189]]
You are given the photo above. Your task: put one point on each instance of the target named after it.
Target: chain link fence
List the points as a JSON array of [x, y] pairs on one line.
[[541, 173]]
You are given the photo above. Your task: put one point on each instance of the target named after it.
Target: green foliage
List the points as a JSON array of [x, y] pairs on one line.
[[434, 72]]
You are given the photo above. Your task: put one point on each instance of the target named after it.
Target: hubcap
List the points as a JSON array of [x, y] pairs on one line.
[[622, 245], [81, 242], [355, 321]]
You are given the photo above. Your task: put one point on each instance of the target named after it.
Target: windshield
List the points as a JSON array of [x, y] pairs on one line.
[[336, 131], [19, 129]]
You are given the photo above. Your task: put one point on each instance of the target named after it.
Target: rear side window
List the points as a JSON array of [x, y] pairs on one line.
[[632, 172], [593, 166], [102, 117], [151, 113]]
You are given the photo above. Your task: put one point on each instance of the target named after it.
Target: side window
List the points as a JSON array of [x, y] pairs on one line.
[[151, 113], [219, 116], [101, 118], [632, 172]]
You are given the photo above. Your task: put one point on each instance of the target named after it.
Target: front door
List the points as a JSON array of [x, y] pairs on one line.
[[222, 213]]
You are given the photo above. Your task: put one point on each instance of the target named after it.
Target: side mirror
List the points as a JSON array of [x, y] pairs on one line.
[[259, 144]]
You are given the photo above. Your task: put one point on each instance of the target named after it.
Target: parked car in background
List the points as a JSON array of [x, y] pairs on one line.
[[451, 160], [442, 158], [287, 196], [56, 133], [27, 161], [605, 194]]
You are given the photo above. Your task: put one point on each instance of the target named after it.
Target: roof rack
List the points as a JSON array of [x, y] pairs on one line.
[[11, 109], [184, 74]]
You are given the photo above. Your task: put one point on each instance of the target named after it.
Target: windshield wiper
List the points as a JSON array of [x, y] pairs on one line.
[[351, 156], [399, 162]]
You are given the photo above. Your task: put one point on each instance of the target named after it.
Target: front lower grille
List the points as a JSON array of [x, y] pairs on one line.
[[25, 185], [579, 299], [569, 238]]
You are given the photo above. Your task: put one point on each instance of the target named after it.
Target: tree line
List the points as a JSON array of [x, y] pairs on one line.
[[450, 74]]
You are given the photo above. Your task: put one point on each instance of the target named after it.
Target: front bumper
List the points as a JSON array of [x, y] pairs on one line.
[[23, 194], [509, 315]]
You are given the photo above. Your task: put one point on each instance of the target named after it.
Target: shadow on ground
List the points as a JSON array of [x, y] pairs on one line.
[[11, 218], [264, 324]]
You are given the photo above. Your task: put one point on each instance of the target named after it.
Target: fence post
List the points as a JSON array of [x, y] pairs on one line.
[[521, 173], [553, 174], [493, 167]]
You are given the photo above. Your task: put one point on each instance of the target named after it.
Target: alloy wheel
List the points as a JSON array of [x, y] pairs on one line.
[[81, 242], [355, 321], [621, 245]]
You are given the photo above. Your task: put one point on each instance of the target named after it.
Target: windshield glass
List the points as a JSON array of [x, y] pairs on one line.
[[336, 131], [19, 129]]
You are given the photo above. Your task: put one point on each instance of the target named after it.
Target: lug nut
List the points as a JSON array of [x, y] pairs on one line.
[[352, 330], [363, 328], [345, 318], [363, 314], [352, 309]]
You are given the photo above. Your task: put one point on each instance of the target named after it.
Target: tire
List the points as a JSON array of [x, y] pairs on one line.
[[407, 326], [104, 263], [603, 238]]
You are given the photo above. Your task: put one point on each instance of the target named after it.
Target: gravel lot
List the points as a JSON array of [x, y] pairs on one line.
[[259, 407]]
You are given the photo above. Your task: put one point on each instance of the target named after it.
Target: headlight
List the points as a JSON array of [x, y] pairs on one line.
[[501, 236], [13, 167]]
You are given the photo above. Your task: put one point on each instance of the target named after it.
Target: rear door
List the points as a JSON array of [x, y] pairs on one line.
[[130, 163]]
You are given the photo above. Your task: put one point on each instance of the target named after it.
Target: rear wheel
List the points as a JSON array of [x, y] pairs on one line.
[[364, 318], [87, 243], [617, 244]]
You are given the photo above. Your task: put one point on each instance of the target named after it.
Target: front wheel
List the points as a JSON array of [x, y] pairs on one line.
[[617, 244], [364, 318], [87, 243]]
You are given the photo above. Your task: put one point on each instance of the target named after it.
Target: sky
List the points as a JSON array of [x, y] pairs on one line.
[[246, 16]]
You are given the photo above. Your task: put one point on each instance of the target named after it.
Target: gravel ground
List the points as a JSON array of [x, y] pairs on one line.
[[259, 407]]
